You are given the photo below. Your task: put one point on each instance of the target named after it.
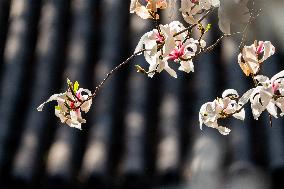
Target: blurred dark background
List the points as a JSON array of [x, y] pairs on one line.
[[140, 132]]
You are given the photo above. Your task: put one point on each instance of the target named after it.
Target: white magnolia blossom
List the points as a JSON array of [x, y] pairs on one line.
[[69, 106], [136, 6], [209, 116], [157, 43], [191, 8], [161, 46], [220, 108], [268, 95], [253, 56]]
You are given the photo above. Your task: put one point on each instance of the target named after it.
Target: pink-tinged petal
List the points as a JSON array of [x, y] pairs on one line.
[[275, 86], [260, 47], [194, 1], [177, 53]]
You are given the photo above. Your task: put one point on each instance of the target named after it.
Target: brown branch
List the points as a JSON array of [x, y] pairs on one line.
[[211, 47], [110, 73]]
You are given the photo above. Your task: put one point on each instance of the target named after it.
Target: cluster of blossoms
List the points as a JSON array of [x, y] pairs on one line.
[[70, 104], [163, 45], [173, 43], [266, 95], [229, 105]]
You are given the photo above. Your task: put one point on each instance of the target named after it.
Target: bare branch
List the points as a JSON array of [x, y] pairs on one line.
[[114, 70]]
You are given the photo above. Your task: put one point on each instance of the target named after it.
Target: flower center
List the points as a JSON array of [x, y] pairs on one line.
[[275, 86], [159, 38], [177, 53], [72, 104], [260, 48]]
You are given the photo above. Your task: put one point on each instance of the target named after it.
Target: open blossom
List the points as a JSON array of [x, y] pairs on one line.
[[229, 105], [268, 95], [158, 44], [161, 47], [70, 104], [191, 8], [144, 11], [253, 56]]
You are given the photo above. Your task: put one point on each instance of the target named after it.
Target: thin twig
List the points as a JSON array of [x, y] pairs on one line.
[[252, 18], [113, 71], [192, 26], [244, 36], [211, 47], [270, 120]]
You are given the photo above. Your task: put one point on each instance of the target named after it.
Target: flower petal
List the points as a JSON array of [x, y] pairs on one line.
[[186, 66], [245, 98], [224, 130], [230, 92], [271, 108], [53, 97], [241, 115]]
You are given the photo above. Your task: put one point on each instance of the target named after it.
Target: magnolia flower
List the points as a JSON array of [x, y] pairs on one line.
[[158, 44], [268, 95], [252, 56], [190, 8], [208, 115], [70, 104], [232, 11], [163, 46], [229, 105], [146, 11]]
